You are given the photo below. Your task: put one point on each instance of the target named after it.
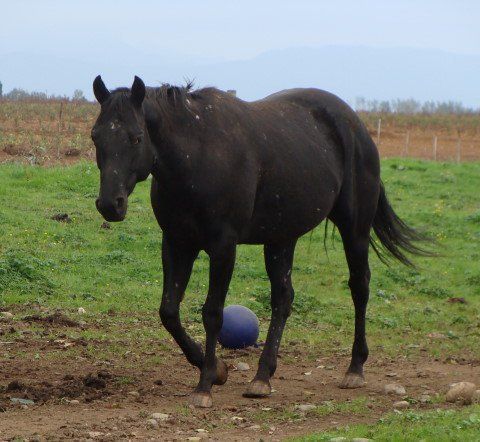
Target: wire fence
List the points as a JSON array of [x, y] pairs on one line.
[[436, 145]]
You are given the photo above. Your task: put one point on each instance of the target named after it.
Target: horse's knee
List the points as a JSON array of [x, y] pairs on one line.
[[359, 281], [212, 317], [282, 300], [168, 315]]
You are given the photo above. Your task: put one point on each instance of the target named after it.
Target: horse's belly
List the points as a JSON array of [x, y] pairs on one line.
[[289, 212]]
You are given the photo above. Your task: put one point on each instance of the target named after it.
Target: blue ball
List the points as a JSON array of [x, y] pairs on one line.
[[240, 327]]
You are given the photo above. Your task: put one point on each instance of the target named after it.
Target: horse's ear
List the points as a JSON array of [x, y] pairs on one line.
[[138, 91], [100, 90]]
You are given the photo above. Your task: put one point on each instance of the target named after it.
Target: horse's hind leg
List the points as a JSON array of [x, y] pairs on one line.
[[278, 262], [356, 250]]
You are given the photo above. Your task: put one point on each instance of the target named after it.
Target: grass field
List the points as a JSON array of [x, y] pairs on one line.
[[437, 425], [115, 274]]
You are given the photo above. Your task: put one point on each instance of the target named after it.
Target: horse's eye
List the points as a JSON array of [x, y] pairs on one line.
[[136, 140]]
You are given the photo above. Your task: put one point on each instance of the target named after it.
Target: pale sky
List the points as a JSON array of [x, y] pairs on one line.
[[384, 49], [235, 29]]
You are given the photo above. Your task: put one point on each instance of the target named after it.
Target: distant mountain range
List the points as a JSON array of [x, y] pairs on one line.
[[348, 71]]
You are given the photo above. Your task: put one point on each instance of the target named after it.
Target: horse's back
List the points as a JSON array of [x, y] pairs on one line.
[[314, 144]]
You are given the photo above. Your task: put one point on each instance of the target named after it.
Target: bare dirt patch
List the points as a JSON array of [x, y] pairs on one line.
[[78, 392]]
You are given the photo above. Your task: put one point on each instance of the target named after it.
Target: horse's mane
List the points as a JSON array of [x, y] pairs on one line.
[[176, 95], [176, 104], [168, 97]]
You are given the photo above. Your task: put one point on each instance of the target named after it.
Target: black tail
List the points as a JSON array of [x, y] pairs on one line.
[[394, 235]]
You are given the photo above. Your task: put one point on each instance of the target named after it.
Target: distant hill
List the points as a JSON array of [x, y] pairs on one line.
[[348, 71]]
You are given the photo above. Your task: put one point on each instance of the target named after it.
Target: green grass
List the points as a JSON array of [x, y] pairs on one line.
[[438, 426], [75, 264], [79, 264]]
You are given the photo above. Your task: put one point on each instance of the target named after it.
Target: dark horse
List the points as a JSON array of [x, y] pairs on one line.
[[228, 172]]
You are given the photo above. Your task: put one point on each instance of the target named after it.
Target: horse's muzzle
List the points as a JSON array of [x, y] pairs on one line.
[[112, 210]]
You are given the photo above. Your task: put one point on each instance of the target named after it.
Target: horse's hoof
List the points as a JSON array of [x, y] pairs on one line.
[[222, 373], [258, 388], [352, 380], [202, 399]]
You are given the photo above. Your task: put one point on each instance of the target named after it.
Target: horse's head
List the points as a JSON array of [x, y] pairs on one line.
[[123, 151]]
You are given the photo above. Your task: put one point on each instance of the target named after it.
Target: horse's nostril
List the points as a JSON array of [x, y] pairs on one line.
[[120, 202]]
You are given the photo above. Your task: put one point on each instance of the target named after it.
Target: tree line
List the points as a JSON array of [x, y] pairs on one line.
[[18, 94], [399, 106], [412, 106]]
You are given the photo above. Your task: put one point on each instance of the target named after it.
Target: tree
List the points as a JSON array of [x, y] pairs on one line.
[[1, 89], [360, 104], [78, 95]]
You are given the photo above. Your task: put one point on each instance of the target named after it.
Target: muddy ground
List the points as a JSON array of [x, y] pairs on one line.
[[81, 390]]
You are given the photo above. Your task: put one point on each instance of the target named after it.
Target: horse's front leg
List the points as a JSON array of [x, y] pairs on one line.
[[222, 261], [278, 262], [177, 259]]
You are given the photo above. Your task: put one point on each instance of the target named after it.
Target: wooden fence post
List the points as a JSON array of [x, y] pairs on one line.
[[459, 150], [60, 125], [60, 116], [407, 142], [379, 128]]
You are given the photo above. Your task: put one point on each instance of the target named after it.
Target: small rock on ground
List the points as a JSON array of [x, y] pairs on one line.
[[476, 396], [424, 398], [160, 416], [152, 423], [134, 393], [21, 401], [400, 405], [461, 392], [243, 366], [6, 315], [305, 407], [397, 389]]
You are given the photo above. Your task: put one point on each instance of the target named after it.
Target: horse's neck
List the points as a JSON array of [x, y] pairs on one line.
[[172, 141]]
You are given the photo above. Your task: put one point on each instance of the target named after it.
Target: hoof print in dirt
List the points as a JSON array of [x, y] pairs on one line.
[[72, 152], [457, 300], [15, 386], [62, 217], [94, 382], [56, 318], [103, 374]]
